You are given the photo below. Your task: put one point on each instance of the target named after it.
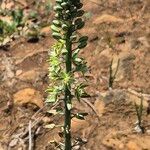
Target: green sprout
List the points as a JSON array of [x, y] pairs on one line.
[[64, 61], [139, 113]]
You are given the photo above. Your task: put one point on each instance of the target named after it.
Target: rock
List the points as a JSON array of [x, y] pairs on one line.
[[9, 68], [144, 41], [3, 147], [46, 119], [7, 5], [13, 143], [6, 19], [99, 107], [114, 96], [30, 75], [133, 146], [28, 95], [18, 72], [90, 31], [113, 140], [125, 66], [46, 30], [77, 124], [105, 18]]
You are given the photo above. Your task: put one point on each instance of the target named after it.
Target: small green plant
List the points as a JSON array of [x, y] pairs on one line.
[[17, 16], [112, 76], [139, 114], [48, 7], [65, 62], [7, 29]]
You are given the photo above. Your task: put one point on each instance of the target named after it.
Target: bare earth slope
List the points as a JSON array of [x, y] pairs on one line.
[[118, 31]]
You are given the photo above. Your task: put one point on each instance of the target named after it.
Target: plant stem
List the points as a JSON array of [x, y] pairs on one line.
[[67, 100]]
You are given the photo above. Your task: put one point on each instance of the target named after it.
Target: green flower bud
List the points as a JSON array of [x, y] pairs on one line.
[[81, 25], [58, 8], [57, 23], [82, 45], [64, 27], [76, 2], [73, 38], [80, 13], [67, 11], [83, 38], [64, 4], [54, 28], [79, 5], [56, 36], [59, 1], [78, 21]]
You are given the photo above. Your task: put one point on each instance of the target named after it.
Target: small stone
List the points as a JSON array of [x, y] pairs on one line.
[[28, 95], [133, 146], [18, 72], [105, 18], [100, 107], [148, 132], [13, 143], [1, 147], [46, 120], [78, 124], [46, 30], [30, 75]]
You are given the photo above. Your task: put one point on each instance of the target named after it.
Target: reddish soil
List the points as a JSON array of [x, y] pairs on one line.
[[118, 30]]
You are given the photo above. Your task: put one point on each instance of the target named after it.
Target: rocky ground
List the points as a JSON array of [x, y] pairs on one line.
[[119, 39]]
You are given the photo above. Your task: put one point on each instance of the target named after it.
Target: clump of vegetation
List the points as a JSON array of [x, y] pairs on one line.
[[65, 62], [14, 23], [8, 29]]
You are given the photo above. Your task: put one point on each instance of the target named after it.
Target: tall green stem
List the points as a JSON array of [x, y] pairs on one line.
[[67, 100], [68, 19]]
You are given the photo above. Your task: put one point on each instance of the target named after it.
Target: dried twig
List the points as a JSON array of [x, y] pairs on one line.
[[30, 135], [91, 106], [139, 94]]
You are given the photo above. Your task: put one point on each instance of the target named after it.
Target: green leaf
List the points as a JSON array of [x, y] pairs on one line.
[[56, 36], [51, 99], [81, 67], [57, 23], [64, 4], [77, 60], [80, 92], [64, 27], [58, 8], [73, 38], [75, 53], [54, 28], [59, 1]]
